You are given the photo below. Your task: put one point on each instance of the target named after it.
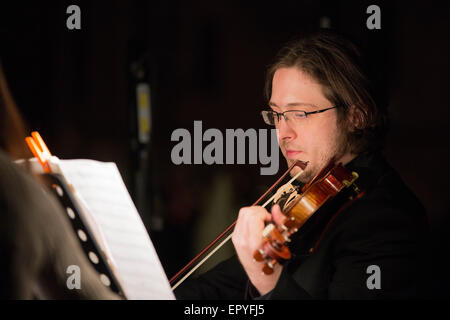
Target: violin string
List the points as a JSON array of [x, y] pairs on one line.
[[229, 237]]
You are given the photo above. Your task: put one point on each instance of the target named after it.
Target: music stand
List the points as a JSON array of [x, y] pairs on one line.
[[91, 248]]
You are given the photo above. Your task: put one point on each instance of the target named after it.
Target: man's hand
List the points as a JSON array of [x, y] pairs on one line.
[[247, 238]]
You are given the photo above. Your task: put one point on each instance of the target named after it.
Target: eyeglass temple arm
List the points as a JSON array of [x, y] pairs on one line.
[[319, 111]]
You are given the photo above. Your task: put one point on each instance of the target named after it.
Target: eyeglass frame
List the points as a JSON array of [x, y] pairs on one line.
[[279, 114]]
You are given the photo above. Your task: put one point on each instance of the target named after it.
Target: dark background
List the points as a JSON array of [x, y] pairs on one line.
[[206, 61]]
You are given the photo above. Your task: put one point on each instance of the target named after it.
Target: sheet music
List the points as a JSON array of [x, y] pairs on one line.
[[103, 192]]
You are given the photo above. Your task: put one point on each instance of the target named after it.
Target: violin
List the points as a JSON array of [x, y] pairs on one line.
[[297, 206]]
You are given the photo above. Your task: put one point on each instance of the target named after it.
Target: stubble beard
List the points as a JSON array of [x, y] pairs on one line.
[[334, 151]]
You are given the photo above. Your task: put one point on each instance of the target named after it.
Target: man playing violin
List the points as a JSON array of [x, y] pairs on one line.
[[321, 104]]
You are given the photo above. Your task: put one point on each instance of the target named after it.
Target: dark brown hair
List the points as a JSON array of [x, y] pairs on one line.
[[336, 64], [12, 127]]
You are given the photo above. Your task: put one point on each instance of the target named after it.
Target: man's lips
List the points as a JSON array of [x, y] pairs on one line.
[[292, 153]]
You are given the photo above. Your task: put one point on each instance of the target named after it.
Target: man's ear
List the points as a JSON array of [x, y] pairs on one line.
[[355, 117]]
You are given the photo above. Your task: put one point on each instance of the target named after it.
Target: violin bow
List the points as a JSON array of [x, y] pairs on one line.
[[302, 165]]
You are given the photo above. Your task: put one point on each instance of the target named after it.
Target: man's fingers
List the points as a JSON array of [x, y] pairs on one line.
[[254, 213], [252, 218], [277, 216]]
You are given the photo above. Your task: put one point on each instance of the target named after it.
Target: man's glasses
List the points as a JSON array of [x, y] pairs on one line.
[[294, 116]]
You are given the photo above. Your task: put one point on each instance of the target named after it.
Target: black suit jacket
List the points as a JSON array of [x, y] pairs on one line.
[[386, 229]]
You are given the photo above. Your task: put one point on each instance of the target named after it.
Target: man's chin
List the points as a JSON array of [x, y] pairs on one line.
[[304, 177]]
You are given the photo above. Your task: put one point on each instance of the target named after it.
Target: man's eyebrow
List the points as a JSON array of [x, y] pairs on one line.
[[292, 104]]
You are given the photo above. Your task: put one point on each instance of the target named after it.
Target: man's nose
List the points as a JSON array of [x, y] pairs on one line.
[[285, 130]]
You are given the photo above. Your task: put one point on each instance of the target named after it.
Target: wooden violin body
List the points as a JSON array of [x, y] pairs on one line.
[[298, 208]]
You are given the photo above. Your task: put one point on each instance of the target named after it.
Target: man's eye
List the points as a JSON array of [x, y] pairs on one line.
[[298, 115]]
